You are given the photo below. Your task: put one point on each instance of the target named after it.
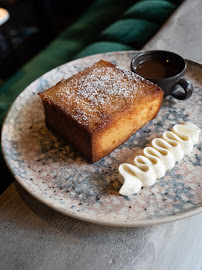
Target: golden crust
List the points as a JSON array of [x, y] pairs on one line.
[[100, 107]]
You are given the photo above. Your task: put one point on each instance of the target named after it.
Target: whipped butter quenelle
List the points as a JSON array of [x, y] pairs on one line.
[[158, 158]]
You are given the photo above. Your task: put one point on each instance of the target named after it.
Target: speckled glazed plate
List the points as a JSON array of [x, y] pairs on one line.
[[59, 177]]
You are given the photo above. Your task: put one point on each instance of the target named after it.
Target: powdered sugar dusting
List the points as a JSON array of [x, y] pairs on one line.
[[98, 92]]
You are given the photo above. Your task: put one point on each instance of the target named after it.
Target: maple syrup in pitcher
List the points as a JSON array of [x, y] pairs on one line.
[[157, 68], [166, 69]]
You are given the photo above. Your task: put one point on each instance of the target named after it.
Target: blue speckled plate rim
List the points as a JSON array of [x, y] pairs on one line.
[[136, 223]]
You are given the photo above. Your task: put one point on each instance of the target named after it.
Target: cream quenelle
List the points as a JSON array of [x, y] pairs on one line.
[[157, 158]]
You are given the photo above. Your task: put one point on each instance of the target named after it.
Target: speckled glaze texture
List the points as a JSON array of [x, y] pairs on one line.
[[58, 176]]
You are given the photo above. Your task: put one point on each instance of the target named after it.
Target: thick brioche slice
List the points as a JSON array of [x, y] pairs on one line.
[[99, 108]]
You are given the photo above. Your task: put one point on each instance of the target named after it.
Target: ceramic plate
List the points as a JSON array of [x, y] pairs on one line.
[[59, 177]]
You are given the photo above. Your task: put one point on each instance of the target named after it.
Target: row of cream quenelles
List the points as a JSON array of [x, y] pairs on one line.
[[157, 158]]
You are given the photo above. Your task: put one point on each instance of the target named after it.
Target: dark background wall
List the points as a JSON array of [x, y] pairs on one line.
[[32, 25]]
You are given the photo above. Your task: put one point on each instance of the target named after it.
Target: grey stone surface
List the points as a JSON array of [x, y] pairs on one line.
[[182, 33], [33, 236]]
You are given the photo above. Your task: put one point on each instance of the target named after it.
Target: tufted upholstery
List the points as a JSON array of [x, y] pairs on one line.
[[134, 28], [107, 25]]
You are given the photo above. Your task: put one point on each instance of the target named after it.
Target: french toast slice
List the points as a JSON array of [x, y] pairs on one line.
[[99, 108]]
